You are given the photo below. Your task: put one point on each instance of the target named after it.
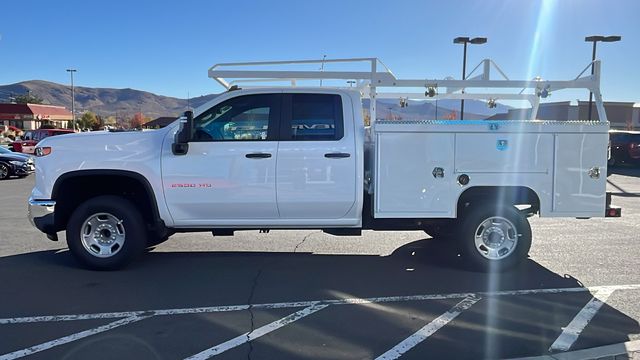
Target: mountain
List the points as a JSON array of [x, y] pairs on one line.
[[126, 102], [103, 101], [430, 109]]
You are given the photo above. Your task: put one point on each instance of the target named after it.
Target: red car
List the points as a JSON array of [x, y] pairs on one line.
[[625, 147], [32, 137]]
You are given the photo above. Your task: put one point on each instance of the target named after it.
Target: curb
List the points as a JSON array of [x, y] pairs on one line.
[[601, 352]]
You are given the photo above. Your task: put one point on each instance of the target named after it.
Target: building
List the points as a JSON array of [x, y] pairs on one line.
[[159, 122], [32, 116], [621, 115]]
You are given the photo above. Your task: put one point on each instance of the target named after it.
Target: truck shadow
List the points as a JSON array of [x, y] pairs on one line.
[[49, 282]]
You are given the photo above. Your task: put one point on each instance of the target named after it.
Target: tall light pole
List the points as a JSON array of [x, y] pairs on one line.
[[594, 39], [73, 100], [465, 41]]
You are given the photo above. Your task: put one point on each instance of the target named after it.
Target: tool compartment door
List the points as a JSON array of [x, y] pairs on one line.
[[408, 180], [580, 174]]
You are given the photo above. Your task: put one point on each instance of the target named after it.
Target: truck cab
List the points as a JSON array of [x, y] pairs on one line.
[[268, 158]]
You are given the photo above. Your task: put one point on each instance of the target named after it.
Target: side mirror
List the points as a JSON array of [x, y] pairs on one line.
[[180, 145]]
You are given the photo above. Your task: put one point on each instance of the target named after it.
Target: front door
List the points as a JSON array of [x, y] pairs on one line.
[[228, 175]]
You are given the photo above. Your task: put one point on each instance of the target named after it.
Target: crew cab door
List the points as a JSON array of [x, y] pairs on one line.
[[316, 170], [227, 176]]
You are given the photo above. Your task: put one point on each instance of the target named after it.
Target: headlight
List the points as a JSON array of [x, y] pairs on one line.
[[17, 163], [42, 151]]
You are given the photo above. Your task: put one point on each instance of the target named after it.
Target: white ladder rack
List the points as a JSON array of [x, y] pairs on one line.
[[378, 76]]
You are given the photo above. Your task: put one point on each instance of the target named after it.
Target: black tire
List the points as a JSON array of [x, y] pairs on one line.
[[472, 225], [153, 239], [441, 229], [132, 228], [5, 171]]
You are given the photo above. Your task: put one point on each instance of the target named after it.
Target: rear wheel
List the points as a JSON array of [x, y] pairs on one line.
[[106, 232], [494, 238]]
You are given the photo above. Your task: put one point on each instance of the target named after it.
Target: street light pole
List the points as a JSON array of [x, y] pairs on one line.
[[73, 100], [465, 41], [594, 39]]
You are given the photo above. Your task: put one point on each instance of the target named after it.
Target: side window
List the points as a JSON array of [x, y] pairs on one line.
[[313, 117], [248, 118], [28, 135]]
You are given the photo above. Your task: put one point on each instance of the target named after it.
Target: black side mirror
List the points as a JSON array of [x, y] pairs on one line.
[[180, 145]]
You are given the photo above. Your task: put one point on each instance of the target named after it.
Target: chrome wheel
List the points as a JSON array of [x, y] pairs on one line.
[[102, 235], [496, 238], [4, 171]]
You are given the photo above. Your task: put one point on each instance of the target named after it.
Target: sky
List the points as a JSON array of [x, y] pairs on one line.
[[166, 47]]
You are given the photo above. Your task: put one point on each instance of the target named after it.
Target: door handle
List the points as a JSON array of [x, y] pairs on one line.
[[258, 155], [337, 155]]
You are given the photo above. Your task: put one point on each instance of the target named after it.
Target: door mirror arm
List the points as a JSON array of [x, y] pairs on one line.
[[180, 144]]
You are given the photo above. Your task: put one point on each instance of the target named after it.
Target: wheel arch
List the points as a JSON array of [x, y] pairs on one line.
[[513, 195], [75, 187]]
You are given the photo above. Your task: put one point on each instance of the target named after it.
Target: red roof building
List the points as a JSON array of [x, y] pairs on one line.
[[32, 116]]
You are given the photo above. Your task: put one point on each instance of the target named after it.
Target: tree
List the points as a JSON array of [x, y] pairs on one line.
[[88, 121], [28, 98], [110, 121], [136, 121]]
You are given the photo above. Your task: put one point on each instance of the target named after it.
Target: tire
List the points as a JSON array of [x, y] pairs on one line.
[[494, 238], [153, 239], [440, 230], [106, 233], [4, 171]]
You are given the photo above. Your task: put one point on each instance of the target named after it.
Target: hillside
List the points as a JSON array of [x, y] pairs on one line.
[[103, 101], [125, 102]]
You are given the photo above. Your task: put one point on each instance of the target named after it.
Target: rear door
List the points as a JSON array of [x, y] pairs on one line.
[[316, 169]]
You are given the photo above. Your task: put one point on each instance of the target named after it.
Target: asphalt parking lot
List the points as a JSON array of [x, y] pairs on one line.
[[296, 294]]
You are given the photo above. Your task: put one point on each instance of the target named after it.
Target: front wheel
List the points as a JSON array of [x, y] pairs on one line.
[[106, 232], [494, 238], [4, 171]]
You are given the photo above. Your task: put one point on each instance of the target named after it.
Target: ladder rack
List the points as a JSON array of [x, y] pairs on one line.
[[378, 76]]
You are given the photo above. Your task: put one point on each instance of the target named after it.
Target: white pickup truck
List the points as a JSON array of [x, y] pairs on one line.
[[302, 158]]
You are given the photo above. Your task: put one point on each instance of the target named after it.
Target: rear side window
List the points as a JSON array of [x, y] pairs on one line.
[[312, 117]]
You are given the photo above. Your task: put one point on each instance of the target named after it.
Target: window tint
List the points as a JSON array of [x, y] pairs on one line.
[[241, 118], [315, 117]]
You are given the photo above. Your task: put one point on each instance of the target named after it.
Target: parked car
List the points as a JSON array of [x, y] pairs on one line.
[[625, 147], [14, 164], [28, 142], [4, 150]]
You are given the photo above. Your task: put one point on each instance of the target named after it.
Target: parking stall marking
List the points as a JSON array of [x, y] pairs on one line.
[[252, 335], [283, 305], [70, 338], [429, 329], [572, 331]]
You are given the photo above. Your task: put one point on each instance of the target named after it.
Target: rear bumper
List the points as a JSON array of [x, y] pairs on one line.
[[41, 215]]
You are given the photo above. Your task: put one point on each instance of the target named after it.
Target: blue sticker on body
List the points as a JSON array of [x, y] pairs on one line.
[[502, 145]]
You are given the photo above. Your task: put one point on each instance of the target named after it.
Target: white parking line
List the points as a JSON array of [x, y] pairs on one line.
[[428, 330], [69, 338], [570, 333], [250, 336], [282, 305]]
